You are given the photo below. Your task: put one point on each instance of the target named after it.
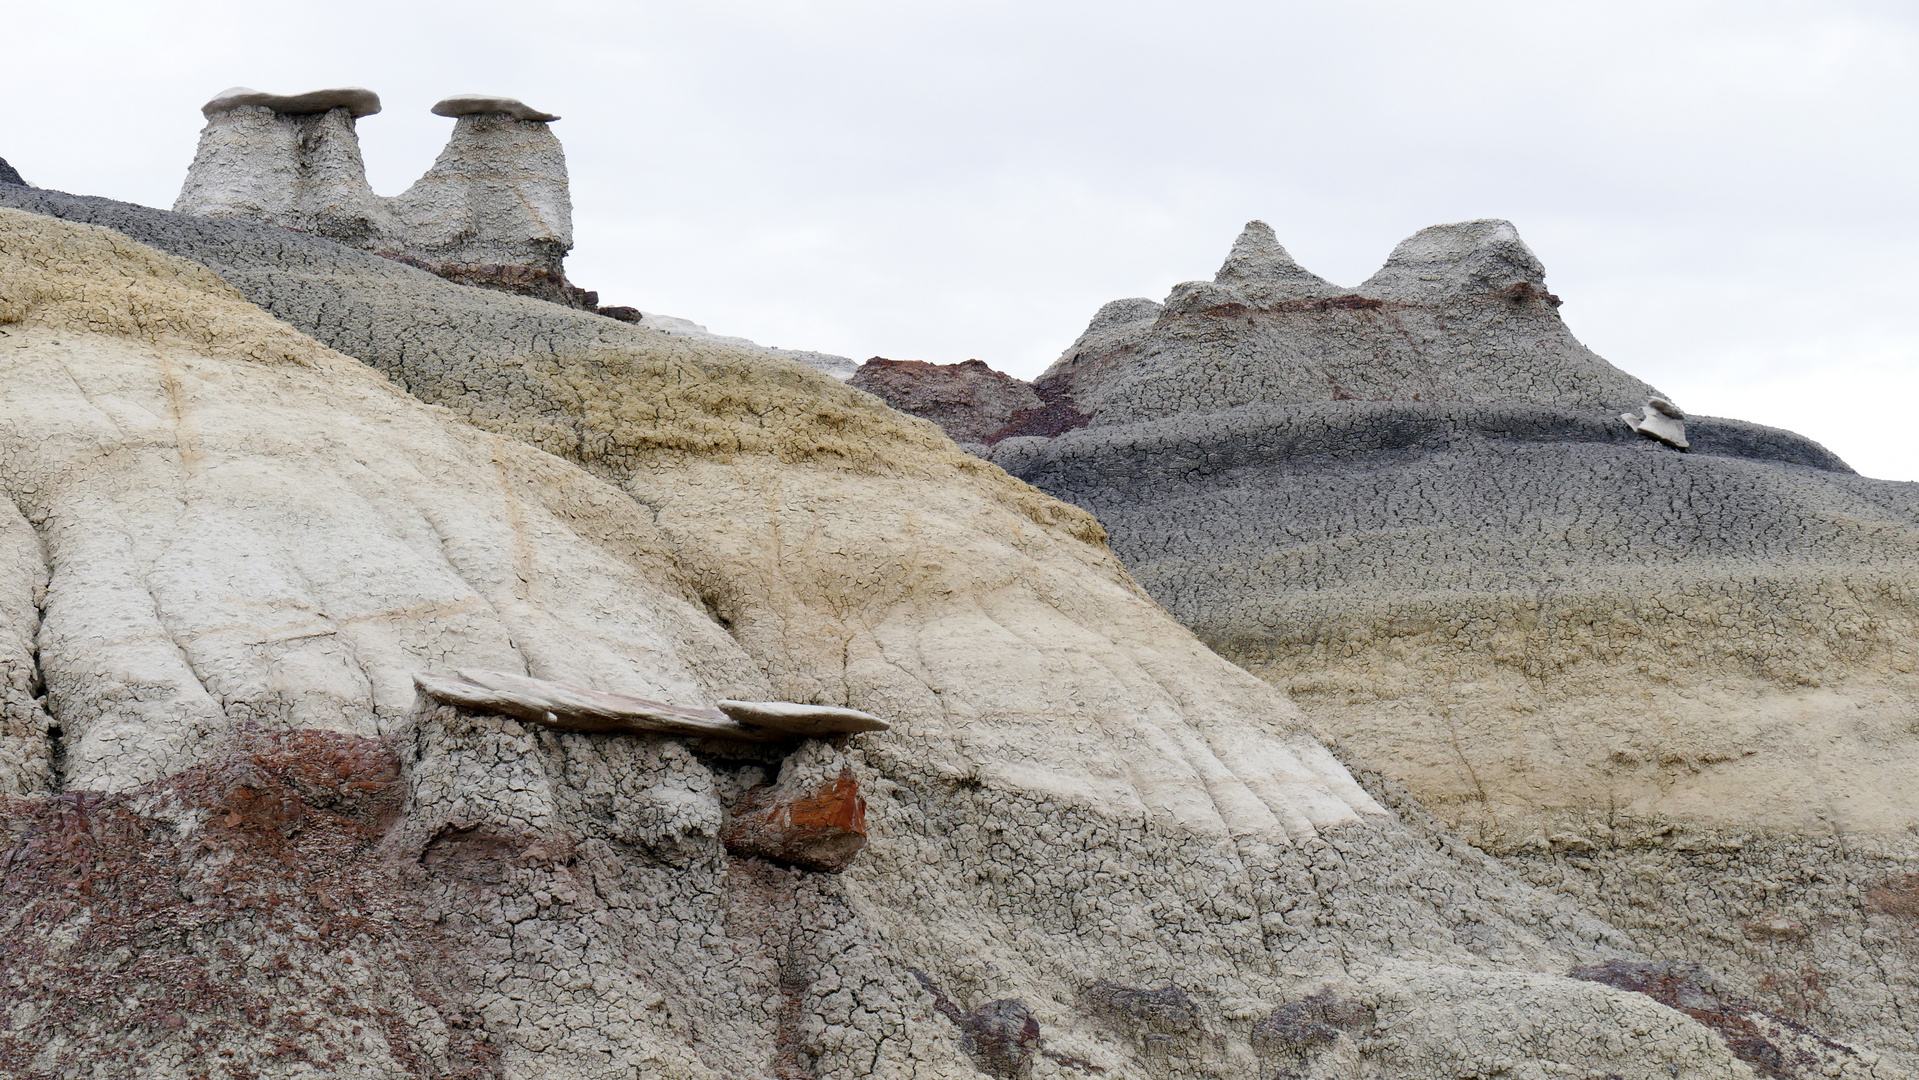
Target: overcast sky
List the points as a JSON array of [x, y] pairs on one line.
[[1723, 193]]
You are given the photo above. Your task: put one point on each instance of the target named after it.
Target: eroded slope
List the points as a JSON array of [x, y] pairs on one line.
[[246, 537]]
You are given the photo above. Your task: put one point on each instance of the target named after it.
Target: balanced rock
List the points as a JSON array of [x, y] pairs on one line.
[[298, 168], [577, 708], [493, 211], [486, 104], [495, 198]]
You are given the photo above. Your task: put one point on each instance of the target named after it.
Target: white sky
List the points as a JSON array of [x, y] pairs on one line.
[[1723, 193]]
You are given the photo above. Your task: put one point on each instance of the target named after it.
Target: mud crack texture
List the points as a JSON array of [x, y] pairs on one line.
[[1655, 679]]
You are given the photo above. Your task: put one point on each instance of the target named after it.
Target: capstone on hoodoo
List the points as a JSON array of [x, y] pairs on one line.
[[493, 210]]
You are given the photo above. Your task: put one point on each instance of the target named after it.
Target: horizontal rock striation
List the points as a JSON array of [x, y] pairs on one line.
[[576, 708], [1663, 663], [249, 543]]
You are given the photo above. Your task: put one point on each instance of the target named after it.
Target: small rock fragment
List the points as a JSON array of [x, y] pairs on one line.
[[821, 829], [1662, 421]]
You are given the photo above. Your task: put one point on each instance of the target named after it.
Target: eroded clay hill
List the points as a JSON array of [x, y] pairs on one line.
[[239, 844], [1676, 685]]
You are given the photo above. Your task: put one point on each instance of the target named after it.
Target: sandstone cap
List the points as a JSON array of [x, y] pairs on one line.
[[481, 104], [357, 100]]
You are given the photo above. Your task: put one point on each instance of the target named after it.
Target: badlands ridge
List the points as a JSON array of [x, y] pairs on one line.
[[289, 478]]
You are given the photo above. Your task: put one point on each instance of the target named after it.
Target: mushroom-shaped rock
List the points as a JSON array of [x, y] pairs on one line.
[[565, 707], [496, 196], [482, 104], [1662, 421], [1466, 257], [289, 161], [358, 101], [1258, 259]]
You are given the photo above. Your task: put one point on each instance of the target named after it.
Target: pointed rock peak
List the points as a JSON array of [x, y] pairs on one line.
[[484, 104], [358, 101], [1257, 258], [9, 175], [1464, 257]]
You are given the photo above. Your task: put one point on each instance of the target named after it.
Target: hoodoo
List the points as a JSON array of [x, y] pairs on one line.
[[493, 211]]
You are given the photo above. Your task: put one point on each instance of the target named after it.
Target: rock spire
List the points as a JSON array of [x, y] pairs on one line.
[[493, 211], [1258, 259]]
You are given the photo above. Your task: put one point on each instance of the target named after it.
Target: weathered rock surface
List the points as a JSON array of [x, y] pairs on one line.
[[247, 543], [1458, 313], [1674, 685], [969, 401], [493, 211], [9, 175]]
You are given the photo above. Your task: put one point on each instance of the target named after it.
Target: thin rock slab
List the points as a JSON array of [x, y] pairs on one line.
[[575, 708], [480, 104], [356, 100]]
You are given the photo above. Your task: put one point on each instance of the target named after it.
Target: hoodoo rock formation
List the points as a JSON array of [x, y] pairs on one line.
[[241, 843], [1676, 685], [493, 211]]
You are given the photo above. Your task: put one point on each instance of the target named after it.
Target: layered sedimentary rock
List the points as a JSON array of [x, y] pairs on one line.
[[236, 546], [969, 401], [1458, 313], [1674, 684]]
